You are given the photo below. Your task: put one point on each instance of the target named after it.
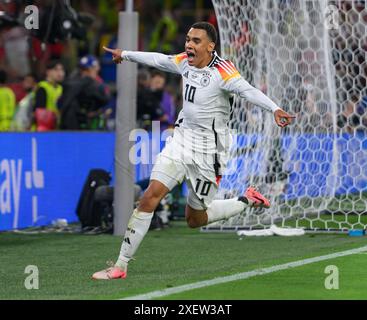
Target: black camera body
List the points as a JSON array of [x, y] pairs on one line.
[[60, 22]]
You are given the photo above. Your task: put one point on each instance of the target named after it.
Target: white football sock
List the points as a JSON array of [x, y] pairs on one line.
[[224, 209], [137, 228]]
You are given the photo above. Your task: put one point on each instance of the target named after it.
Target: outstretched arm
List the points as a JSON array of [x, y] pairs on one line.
[[233, 82], [152, 59], [255, 96]]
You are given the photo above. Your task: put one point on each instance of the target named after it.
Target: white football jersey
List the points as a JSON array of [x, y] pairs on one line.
[[205, 92]]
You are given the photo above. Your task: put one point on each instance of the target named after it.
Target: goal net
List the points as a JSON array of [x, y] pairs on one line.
[[309, 57]]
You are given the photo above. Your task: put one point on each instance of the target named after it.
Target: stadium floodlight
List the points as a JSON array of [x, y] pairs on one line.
[[309, 57]]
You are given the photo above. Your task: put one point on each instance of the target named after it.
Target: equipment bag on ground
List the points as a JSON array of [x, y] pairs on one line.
[[89, 210]]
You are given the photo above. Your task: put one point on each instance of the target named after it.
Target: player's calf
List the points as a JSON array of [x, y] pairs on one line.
[[138, 226], [155, 192]]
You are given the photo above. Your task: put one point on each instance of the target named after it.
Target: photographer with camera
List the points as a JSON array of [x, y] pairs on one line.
[[84, 98]]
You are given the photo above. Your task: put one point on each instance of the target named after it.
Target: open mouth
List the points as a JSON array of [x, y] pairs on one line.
[[190, 56]]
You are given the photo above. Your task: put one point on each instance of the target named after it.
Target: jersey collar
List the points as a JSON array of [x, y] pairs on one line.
[[214, 59]]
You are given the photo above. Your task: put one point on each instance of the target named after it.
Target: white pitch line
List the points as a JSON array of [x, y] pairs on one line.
[[242, 275]]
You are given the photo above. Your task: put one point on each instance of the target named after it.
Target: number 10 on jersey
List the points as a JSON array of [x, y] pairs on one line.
[[190, 93]]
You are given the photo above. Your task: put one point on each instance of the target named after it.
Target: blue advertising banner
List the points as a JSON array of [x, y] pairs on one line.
[[322, 165], [317, 165], [42, 174]]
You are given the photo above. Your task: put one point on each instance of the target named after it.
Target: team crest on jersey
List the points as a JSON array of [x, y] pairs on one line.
[[205, 81]]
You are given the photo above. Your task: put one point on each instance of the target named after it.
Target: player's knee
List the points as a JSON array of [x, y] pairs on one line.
[[150, 200], [193, 223], [154, 195], [196, 220]]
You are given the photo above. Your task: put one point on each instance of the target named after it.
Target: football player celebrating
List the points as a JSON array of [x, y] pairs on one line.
[[198, 150]]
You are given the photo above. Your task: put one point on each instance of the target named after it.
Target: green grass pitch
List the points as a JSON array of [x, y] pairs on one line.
[[178, 256]]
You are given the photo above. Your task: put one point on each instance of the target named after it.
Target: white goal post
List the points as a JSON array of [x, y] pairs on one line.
[[310, 58]]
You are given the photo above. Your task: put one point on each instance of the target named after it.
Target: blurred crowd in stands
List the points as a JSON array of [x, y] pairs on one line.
[[61, 79], [302, 85]]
